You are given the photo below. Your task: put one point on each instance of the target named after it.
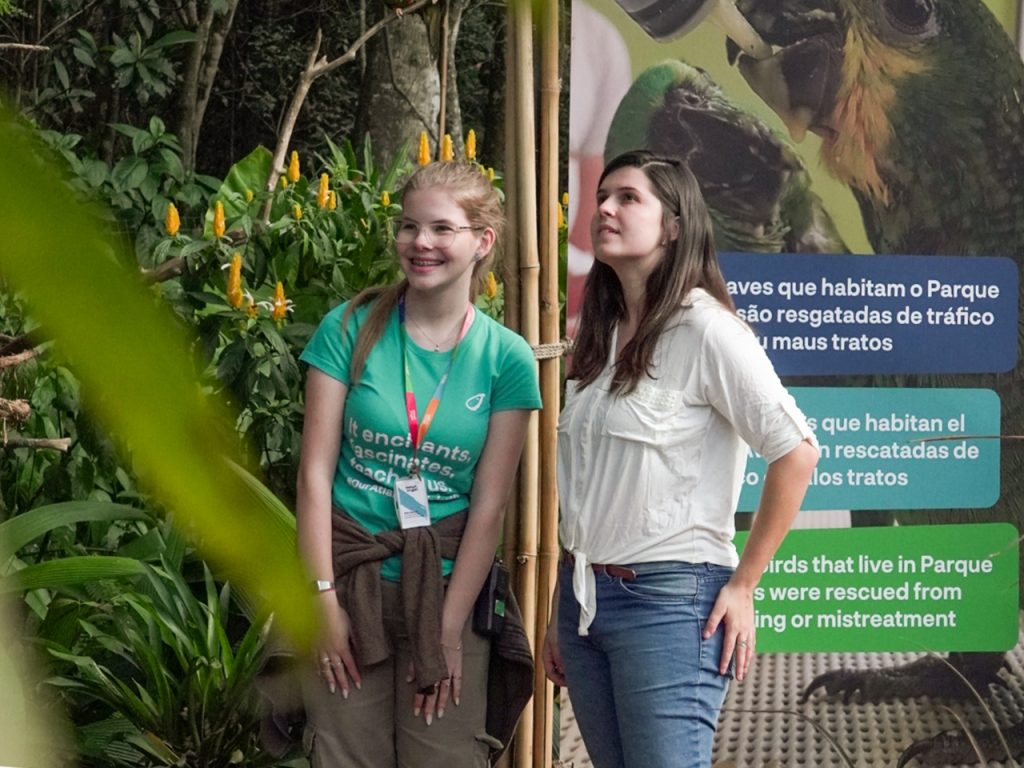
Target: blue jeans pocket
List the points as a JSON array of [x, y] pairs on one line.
[[663, 586]]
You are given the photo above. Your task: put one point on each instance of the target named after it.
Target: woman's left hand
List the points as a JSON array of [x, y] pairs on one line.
[[435, 699], [735, 609]]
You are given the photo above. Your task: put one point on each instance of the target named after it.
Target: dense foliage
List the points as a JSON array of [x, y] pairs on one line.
[[152, 656]]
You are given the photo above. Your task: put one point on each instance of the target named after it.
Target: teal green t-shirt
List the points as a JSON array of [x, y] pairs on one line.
[[494, 370]]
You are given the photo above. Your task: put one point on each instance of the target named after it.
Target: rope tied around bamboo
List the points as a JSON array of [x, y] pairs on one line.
[[548, 351]]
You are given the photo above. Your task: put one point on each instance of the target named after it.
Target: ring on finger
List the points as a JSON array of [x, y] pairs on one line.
[[742, 643]]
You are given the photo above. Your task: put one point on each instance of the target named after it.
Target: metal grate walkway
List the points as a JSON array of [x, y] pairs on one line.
[[763, 725]]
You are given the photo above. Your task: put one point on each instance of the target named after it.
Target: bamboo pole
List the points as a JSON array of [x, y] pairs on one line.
[[522, 118], [510, 280], [510, 276], [547, 565]]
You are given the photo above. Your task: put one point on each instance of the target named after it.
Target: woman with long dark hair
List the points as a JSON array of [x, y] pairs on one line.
[[667, 389]]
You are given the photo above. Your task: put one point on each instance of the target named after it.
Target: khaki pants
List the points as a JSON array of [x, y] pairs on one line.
[[375, 727]]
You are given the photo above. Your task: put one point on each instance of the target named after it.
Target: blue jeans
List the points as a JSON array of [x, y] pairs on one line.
[[645, 686]]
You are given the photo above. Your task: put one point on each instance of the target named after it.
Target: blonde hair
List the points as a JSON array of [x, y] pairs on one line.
[[472, 191]]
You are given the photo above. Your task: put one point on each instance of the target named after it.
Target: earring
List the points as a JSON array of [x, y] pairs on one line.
[[477, 256]]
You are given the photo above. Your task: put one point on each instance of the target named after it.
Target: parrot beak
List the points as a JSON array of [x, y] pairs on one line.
[[799, 83]]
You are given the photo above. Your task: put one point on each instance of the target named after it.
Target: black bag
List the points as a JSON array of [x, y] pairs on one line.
[[489, 609]]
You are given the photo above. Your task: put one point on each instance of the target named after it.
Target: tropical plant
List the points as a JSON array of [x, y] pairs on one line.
[[155, 668], [171, 686], [255, 282], [137, 186]]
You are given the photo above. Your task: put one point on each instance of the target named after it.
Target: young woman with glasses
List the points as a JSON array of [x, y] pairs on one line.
[[416, 411]]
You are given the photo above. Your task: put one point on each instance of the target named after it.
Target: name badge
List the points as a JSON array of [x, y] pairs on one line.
[[411, 503]]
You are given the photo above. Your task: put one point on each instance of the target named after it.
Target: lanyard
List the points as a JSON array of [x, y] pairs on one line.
[[418, 429]]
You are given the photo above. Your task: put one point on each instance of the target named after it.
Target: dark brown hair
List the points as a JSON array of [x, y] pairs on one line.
[[689, 262], [473, 192]]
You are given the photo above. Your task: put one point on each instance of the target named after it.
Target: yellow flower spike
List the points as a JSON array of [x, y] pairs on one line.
[[385, 199], [560, 223], [332, 201], [490, 174], [490, 286], [423, 156], [323, 192], [293, 167], [172, 221], [234, 291], [284, 183], [565, 198], [249, 195], [447, 154], [297, 211], [218, 219], [471, 145], [281, 305]]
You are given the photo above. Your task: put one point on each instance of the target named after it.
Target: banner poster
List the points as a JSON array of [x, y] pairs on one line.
[[864, 167]]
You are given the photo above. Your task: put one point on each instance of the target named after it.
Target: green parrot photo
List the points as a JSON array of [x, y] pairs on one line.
[[919, 107], [757, 188]]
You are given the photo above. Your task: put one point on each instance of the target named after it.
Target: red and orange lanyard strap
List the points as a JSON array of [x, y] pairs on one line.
[[418, 429]]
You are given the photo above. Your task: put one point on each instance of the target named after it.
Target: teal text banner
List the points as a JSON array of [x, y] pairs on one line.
[[896, 449], [911, 588]]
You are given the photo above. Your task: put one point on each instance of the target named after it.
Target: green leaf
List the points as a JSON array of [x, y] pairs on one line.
[[18, 531], [70, 571], [172, 164], [174, 38], [122, 57], [84, 56], [251, 172], [28, 729], [155, 747], [62, 73]]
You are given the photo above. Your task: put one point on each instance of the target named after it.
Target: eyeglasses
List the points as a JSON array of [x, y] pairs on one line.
[[437, 235]]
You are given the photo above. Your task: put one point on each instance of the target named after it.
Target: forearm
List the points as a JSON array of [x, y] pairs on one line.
[[321, 443], [785, 484], [313, 526]]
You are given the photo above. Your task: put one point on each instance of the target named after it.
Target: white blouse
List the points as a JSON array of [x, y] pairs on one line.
[[656, 475]]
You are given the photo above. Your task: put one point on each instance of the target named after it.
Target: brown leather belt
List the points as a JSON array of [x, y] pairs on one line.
[[616, 571]]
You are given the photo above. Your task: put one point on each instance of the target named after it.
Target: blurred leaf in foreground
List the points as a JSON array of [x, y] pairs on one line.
[[137, 371], [31, 734]]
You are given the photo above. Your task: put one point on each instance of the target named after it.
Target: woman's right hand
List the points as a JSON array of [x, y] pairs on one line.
[[552, 656], [333, 658]]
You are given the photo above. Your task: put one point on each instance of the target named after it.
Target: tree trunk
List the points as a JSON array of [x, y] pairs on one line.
[[200, 73], [401, 91], [453, 113]]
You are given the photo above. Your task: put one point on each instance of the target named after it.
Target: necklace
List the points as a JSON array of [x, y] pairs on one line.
[[437, 344]]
